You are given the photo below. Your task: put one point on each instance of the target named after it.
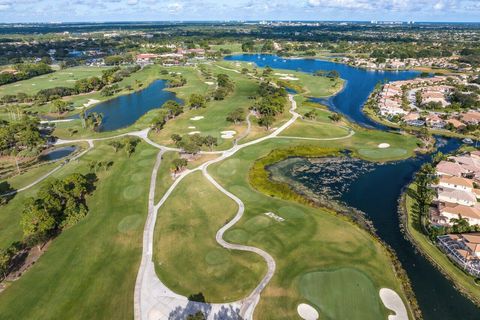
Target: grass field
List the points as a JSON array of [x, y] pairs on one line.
[[61, 78], [188, 259], [214, 114], [462, 280], [309, 240], [89, 271], [358, 298], [315, 130]]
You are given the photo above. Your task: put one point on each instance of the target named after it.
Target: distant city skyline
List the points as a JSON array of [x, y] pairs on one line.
[[191, 10]]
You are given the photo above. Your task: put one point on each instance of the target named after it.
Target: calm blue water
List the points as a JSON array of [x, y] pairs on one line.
[[58, 153], [360, 83], [376, 192], [123, 111]]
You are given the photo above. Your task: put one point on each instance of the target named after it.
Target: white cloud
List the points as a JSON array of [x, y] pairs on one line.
[[439, 5], [175, 7], [132, 2]]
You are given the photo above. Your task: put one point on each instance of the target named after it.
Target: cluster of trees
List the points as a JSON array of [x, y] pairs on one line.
[[92, 120], [21, 138], [59, 204], [270, 102], [169, 110], [236, 116], [224, 87], [193, 143], [24, 71], [464, 100], [129, 144], [176, 81], [179, 164], [332, 74]]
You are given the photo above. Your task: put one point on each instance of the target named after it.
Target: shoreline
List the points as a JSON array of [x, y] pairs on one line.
[[406, 226], [286, 191]]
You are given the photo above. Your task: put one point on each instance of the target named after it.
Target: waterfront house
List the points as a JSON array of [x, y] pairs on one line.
[[471, 214], [455, 196], [434, 121], [456, 183], [471, 117], [463, 249]]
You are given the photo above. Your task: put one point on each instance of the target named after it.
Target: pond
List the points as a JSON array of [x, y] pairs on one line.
[[58, 153], [372, 188], [122, 111]]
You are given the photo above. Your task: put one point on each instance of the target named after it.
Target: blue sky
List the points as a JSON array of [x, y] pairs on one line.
[[159, 10]]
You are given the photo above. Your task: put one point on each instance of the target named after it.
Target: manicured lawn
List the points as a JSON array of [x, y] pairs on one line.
[[464, 281], [89, 271], [187, 257], [214, 115], [357, 299], [310, 239], [315, 130], [61, 78]]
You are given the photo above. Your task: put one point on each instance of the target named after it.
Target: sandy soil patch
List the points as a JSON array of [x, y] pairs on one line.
[[196, 118], [193, 132], [289, 78], [392, 301], [90, 102], [283, 74], [210, 83], [17, 85], [228, 134], [191, 127], [71, 80], [307, 312], [383, 145], [34, 84]]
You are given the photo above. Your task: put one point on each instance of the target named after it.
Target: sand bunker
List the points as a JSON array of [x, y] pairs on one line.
[[90, 102], [210, 83], [197, 118], [392, 301], [193, 132], [383, 145], [289, 78], [228, 134], [191, 127], [307, 312]]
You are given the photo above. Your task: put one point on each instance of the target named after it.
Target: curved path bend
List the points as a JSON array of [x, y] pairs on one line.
[[153, 300]]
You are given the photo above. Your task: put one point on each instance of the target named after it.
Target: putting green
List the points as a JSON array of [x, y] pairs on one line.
[[337, 293], [376, 154]]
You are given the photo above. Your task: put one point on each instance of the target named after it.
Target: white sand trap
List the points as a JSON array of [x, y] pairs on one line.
[[193, 132], [210, 83], [289, 78], [307, 312], [392, 301], [90, 102], [384, 145], [283, 74], [34, 84], [191, 127], [197, 118], [50, 80], [228, 134]]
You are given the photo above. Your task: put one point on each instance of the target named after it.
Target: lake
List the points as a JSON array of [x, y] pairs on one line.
[[373, 188], [122, 111]]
